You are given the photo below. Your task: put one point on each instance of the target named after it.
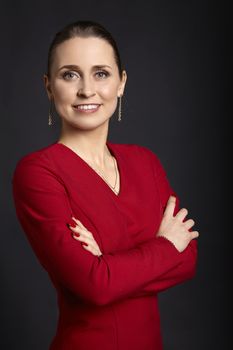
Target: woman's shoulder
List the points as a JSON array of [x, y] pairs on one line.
[[140, 154], [135, 149], [39, 157]]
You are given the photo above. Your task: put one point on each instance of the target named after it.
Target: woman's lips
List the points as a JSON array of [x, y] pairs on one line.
[[88, 108]]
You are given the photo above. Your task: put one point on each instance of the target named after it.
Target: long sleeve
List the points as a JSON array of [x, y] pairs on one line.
[[43, 209], [187, 269]]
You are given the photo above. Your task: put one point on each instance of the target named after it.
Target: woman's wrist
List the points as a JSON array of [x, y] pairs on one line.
[[167, 239]]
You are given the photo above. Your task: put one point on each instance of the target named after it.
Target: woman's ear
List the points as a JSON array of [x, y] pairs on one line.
[[47, 86], [122, 83]]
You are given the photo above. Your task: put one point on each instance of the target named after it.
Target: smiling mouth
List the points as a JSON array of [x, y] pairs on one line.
[[87, 108]]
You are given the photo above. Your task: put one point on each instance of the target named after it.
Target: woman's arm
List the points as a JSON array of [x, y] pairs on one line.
[[43, 209], [179, 274], [187, 269]]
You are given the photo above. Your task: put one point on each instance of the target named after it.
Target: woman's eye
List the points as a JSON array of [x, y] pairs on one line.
[[103, 74], [69, 75]]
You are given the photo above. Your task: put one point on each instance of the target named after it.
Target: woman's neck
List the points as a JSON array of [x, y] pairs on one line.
[[92, 150]]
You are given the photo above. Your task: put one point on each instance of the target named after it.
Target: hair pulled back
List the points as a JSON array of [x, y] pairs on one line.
[[83, 29]]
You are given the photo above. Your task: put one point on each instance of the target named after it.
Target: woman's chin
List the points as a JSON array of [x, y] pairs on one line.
[[85, 125]]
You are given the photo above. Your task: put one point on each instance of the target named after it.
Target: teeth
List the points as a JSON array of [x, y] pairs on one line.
[[87, 106]]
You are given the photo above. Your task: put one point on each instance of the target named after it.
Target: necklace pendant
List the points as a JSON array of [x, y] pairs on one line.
[[103, 177]]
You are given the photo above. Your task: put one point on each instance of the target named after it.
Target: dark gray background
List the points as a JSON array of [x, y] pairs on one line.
[[176, 57]]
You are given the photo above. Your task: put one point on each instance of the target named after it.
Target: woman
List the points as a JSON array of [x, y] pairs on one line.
[[101, 218]]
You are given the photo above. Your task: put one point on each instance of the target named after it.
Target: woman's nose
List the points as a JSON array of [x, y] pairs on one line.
[[86, 88]]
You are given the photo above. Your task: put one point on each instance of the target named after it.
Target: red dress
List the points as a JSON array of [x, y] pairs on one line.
[[107, 302]]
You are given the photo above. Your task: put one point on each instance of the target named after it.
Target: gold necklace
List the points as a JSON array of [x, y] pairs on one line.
[[103, 177], [98, 171]]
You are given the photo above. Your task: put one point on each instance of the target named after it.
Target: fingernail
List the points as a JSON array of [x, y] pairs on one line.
[[72, 224], [83, 243], [76, 234]]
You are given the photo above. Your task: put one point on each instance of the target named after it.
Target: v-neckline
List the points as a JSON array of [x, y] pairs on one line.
[[113, 153]]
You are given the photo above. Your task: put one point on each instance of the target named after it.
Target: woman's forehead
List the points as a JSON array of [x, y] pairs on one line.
[[94, 51]]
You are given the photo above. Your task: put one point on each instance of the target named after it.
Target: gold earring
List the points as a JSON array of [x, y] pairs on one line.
[[119, 109], [50, 113]]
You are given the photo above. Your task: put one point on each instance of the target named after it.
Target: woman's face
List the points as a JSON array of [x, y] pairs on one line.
[[84, 82]]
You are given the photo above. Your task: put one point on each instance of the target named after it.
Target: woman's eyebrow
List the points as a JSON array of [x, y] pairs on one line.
[[74, 66]]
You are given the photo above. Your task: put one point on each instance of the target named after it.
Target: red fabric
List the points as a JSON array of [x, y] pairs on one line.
[[108, 302]]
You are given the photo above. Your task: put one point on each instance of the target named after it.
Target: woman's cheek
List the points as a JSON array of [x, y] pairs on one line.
[[63, 91], [109, 92]]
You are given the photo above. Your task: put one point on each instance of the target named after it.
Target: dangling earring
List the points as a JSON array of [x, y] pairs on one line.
[[50, 113], [119, 109]]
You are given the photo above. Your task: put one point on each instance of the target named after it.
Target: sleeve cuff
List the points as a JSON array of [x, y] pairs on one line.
[[168, 243]]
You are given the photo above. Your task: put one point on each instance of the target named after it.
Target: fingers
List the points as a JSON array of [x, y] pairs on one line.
[[94, 251], [88, 244], [80, 228], [85, 237], [194, 234], [78, 222], [182, 213], [189, 223], [83, 232], [171, 203]]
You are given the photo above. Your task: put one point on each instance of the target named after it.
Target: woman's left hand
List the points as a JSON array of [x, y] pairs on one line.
[[81, 234]]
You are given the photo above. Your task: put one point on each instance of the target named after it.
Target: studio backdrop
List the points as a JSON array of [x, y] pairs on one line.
[[175, 56]]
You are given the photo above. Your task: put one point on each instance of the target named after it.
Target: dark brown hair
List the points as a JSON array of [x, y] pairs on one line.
[[83, 29]]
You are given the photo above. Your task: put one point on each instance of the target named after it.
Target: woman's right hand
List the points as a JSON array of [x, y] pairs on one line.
[[82, 234], [174, 228]]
